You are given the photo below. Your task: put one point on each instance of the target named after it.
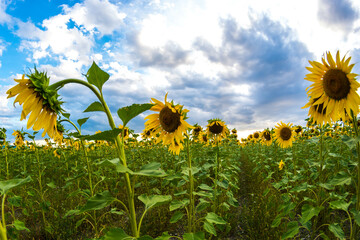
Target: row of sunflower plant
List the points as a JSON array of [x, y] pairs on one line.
[[307, 178], [190, 198]]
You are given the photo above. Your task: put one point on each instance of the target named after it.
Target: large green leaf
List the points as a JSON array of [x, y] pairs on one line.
[[95, 107], [292, 230], [337, 231], [194, 236], [82, 121], [176, 204], [176, 217], [308, 212], [209, 227], [154, 200], [19, 225], [129, 112], [212, 217], [151, 170], [356, 216], [117, 234], [7, 185], [340, 179], [96, 76], [99, 201], [340, 204], [108, 135], [164, 236]]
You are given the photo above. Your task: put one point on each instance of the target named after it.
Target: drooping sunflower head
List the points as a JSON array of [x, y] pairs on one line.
[[169, 122], [234, 131], [34, 95], [204, 138], [19, 138], [196, 130], [284, 134], [217, 129], [266, 137], [334, 87]]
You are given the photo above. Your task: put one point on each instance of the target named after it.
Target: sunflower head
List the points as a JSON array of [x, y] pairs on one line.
[[196, 130], [169, 122], [333, 91], [35, 96], [284, 134], [217, 128], [266, 137]]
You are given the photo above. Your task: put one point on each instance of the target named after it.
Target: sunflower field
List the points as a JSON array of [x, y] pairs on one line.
[[181, 181]]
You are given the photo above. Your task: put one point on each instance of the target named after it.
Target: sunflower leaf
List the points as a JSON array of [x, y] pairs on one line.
[[82, 121], [95, 107], [96, 76], [109, 135], [129, 112], [6, 185]]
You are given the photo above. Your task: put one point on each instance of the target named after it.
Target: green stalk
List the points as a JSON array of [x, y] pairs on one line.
[[6, 160], [3, 223], [85, 154], [217, 167], [40, 181], [119, 145], [191, 213]]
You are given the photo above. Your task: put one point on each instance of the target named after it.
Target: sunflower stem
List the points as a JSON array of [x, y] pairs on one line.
[[191, 189], [3, 223], [119, 146]]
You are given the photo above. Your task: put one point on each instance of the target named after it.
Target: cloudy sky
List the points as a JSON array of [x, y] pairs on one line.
[[238, 60]]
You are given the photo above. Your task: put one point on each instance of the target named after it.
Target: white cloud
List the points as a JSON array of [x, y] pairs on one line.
[[100, 15]]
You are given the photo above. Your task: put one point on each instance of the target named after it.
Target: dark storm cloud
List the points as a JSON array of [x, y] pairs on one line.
[[269, 59], [337, 14]]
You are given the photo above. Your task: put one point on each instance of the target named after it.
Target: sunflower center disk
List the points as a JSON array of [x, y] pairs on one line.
[[285, 134], [216, 128], [267, 136], [336, 84], [169, 120]]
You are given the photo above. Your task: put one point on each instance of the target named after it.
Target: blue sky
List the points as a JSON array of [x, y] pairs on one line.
[[238, 60]]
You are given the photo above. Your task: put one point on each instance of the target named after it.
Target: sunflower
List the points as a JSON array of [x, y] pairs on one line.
[[318, 112], [217, 129], [37, 99], [284, 134], [256, 136], [124, 131], [266, 137], [281, 165], [175, 148], [19, 138], [196, 131], [333, 90], [204, 138], [169, 122], [146, 134]]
